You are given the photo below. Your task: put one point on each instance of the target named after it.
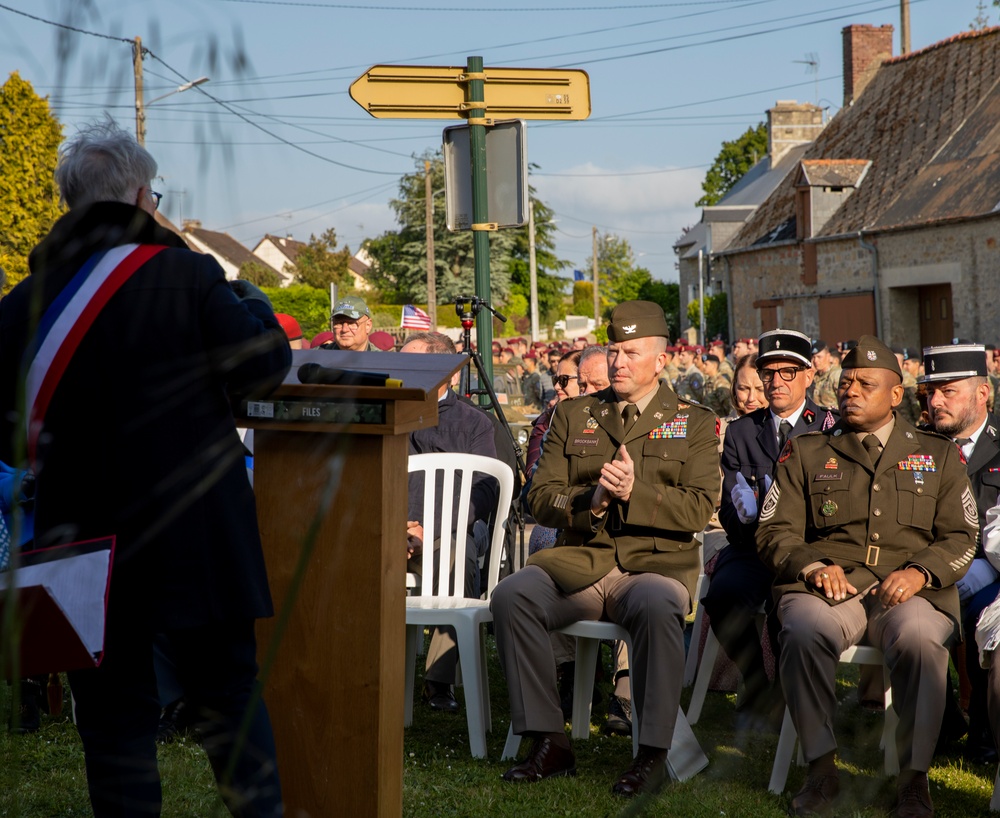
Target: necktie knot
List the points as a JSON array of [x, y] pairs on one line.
[[962, 442], [784, 429], [629, 414], [872, 443]]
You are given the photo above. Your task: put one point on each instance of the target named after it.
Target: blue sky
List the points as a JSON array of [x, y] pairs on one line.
[[280, 147]]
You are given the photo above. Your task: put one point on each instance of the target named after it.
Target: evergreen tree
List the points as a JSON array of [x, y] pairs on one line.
[[320, 264], [29, 199]]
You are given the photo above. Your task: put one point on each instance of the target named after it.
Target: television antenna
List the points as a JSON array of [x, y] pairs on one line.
[[811, 62]]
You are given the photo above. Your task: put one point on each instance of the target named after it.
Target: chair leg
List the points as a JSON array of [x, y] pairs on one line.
[[413, 633], [691, 661], [704, 677], [783, 755], [469, 656], [583, 685], [889, 728], [484, 673], [512, 744]]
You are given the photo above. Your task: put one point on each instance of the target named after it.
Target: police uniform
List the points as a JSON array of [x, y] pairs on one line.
[[741, 583], [830, 506], [637, 564]]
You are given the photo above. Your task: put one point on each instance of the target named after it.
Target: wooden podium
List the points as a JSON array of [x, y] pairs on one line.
[[330, 478]]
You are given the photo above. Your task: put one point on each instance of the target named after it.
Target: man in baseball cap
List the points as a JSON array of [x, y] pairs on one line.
[[351, 322]]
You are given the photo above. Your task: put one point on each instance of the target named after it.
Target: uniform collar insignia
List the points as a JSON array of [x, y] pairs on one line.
[[809, 416], [604, 412], [658, 415]]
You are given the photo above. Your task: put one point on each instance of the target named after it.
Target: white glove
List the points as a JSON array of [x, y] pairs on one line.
[[979, 575], [744, 500]]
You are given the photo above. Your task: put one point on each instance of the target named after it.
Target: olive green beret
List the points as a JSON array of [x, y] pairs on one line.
[[871, 353], [637, 319]]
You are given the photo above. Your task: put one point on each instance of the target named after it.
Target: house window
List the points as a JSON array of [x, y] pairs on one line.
[[944, 309]]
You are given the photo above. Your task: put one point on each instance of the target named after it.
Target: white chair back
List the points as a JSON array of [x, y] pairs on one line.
[[463, 468]]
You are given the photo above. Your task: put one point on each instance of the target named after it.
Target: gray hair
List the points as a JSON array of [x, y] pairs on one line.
[[592, 351], [103, 163], [436, 342]]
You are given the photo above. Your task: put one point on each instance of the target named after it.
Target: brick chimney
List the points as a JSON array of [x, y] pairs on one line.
[[865, 49], [791, 123]]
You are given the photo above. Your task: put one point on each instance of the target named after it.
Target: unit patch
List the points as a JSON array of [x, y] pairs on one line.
[[831, 463], [828, 509], [918, 478], [591, 425], [917, 462]]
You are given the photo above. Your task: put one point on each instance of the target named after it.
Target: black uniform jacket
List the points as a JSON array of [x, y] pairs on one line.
[[984, 470], [751, 449], [139, 440], [828, 504], [675, 451]]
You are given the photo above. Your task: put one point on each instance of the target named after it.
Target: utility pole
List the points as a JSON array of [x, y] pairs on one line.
[[904, 26], [597, 298], [701, 296], [533, 270], [140, 112], [429, 228]]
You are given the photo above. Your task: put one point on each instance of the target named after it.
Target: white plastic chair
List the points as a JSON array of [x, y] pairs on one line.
[[855, 655], [448, 606], [685, 758], [700, 589]]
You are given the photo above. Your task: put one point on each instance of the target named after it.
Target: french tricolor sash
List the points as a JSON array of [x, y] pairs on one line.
[[66, 321]]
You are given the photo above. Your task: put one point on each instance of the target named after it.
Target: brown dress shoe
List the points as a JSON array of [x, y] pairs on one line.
[[646, 775], [817, 794], [546, 760], [913, 798]]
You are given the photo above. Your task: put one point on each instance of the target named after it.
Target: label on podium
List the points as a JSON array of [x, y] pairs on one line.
[[60, 598]]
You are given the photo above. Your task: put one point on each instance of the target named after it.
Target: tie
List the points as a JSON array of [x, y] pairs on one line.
[[872, 443], [962, 442], [784, 429], [629, 414]]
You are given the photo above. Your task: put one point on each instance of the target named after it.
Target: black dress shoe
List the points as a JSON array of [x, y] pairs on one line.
[[546, 760], [647, 774], [619, 716], [913, 797], [817, 795], [440, 697]]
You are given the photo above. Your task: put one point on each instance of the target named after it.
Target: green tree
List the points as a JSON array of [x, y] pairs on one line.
[[668, 296], [307, 305], [399, 257], [29, 199], [716, 315], [320, 264], [618, 277], [259, 274], [734, 160]]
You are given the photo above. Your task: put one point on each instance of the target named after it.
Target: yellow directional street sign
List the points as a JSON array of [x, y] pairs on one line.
[[440, 92]]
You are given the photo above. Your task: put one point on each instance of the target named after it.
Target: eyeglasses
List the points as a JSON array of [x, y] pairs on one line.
[[787, 373], [562, 381], [156, 199]]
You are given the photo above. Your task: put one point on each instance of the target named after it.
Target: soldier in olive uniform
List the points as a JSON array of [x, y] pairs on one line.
[[909, 406], [628, 475], [690, 384], [670, 372], [867, 528], [824, 386], [717, 393]]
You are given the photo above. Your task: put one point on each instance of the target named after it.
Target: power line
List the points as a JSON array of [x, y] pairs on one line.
[[371, 190], [65, 26], [615, 175], [487, 9]]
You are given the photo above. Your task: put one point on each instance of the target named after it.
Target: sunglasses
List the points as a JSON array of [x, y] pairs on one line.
[[562, 381]]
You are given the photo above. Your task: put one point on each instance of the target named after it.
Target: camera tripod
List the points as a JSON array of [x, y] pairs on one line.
[[468, 308]]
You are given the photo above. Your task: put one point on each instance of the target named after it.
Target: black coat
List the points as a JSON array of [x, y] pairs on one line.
[[984, 470], [139, 440], [751, 449]]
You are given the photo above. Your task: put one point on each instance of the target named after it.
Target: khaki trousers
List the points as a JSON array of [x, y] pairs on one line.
[[528, 605], [912, 636]]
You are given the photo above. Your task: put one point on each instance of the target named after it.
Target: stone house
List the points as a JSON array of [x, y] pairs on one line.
[[791, 128], [890, 223]]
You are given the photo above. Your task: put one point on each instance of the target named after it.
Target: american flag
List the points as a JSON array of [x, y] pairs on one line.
[[415, 318]]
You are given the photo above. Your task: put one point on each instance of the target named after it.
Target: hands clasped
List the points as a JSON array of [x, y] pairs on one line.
[[616, 481]]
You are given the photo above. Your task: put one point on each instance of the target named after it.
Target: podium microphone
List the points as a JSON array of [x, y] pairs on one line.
[[327, 375]]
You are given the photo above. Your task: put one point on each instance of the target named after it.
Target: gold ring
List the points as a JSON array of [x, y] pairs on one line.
[[824, 575]]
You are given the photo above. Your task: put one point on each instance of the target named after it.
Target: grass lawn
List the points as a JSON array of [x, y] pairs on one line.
[[42, 776]]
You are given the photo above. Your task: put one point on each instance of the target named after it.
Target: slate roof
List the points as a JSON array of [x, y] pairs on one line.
[[286, 244], [927, 122], [833, 172], [226, 246]]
